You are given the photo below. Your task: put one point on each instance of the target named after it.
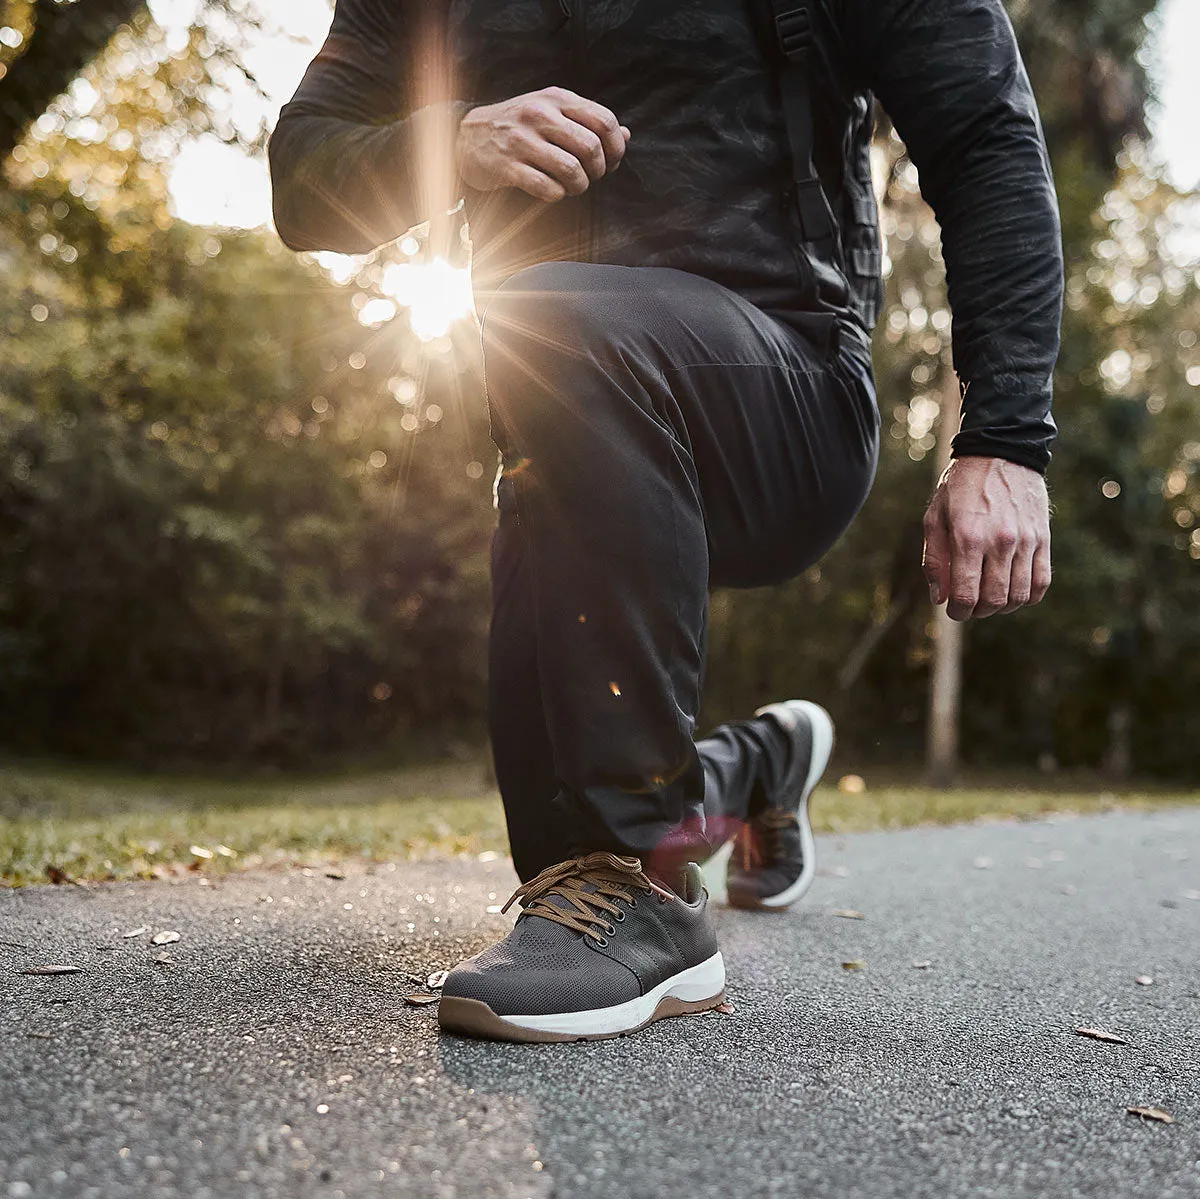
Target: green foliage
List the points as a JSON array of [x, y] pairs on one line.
[[222, 540], [217, 539]]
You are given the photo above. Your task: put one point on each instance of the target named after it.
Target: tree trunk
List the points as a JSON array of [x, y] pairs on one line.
[[66, 37], [945, 684]]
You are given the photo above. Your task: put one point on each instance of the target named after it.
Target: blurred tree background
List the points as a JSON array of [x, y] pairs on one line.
[[244, 517]]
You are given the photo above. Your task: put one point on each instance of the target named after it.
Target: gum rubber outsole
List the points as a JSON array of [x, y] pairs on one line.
[[473, 1018]]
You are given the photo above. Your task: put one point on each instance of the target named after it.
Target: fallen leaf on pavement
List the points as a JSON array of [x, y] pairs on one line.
[[53, 970], [856, 964], [335, 875], [164, 959], [437, 979], [921, 965], [1152, 1113], [136, 932], [420, 1000], [725, 1008], [60, 877], [1144, 980], [1098, 1034], [848, 914], [166, 937]]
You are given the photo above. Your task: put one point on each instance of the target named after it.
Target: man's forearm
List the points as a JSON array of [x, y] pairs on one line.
[[341, 185], [364, 149]]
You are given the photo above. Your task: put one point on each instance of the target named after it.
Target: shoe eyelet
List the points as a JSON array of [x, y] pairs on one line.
[[619, 917], [600, 943], [633, 902], [611, 930]]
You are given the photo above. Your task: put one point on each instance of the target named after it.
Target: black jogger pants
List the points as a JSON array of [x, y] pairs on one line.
[[659, 435]]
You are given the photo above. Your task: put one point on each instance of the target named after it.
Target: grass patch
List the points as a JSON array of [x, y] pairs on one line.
[[94, 824], [902, 806]]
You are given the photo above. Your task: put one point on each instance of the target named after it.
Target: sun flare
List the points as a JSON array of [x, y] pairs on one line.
[[435, 293]]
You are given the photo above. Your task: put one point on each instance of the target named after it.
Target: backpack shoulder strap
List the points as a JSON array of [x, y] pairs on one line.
[[793, 27]]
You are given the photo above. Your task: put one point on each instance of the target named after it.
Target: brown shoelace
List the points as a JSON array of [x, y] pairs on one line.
[[590, 885], [770, 822]]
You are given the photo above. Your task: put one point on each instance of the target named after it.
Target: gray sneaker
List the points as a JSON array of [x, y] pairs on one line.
[[774, 857], [600, 949]]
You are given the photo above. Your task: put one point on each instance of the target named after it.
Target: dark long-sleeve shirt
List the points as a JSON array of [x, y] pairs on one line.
[[364, 151]]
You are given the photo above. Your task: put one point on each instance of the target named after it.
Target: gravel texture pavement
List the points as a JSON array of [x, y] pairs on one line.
[[270, 1050]]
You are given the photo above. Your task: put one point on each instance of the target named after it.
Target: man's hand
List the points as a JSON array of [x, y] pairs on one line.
[[550, 143], [987, 538]]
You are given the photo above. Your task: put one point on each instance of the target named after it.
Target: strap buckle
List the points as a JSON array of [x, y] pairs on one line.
[[795, 33]]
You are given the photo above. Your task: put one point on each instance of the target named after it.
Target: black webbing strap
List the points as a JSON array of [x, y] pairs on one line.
[[795, 35]]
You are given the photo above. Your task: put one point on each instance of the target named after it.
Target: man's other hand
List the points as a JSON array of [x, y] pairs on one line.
[[551, 143], [987, 538]]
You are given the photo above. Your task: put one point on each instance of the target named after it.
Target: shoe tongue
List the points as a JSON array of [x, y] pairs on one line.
[[557, 899]]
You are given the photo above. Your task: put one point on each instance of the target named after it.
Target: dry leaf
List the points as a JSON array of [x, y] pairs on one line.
[[1098, 1034], [436, 979], [333, 874], [1152, 1113], [166, 937], [53, 970], [921, 964], [164, 959], [59, 877], [420, 1000], [1144, 980], [725, 1008], [855, 964], [136, 932], [848, 914]]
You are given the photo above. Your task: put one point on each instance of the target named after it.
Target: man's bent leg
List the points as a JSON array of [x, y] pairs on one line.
[[648, 418], [653, 424], [613, 532]]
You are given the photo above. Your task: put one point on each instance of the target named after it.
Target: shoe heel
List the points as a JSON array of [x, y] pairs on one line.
[[701, 983]]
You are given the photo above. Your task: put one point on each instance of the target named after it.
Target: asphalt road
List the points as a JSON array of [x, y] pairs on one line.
[[270, 1052]]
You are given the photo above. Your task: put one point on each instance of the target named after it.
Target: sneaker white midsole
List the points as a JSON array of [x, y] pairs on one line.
[[715, 868], [705, 981], [821, 726]]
